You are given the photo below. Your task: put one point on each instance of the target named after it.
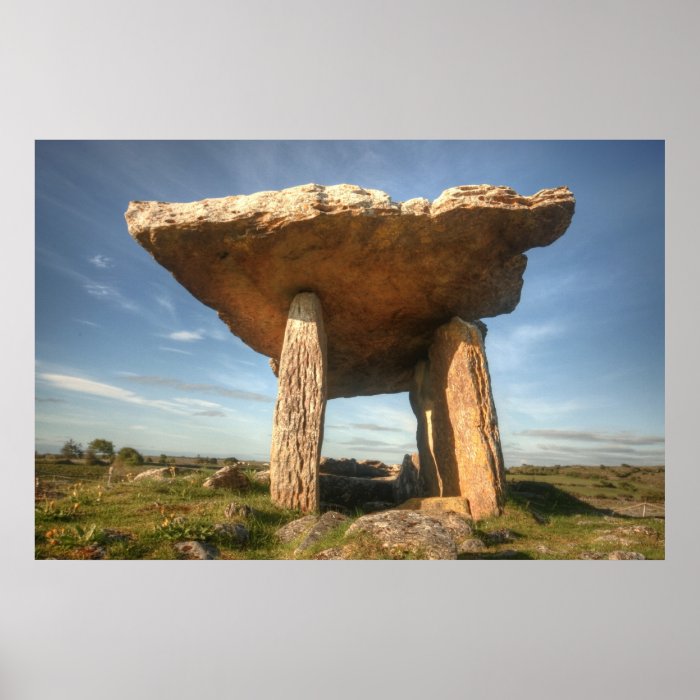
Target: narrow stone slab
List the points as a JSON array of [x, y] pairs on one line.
[[458, 437], [297, 428]]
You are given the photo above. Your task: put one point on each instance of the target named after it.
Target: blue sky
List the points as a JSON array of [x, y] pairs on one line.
[[123, 352]]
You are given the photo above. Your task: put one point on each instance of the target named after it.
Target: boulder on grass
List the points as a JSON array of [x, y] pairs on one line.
[[229, 477]]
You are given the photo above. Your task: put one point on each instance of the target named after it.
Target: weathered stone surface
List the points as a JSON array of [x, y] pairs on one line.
[[472, 545], [326, 523], [235, 509], [458, 437], [407, 483], [193, 549], [262, 477], [622, 555], [388, 274], [371, 468], [154, 475], [408, 532], [500, 536], [234, 533], [296, 529], [230, 477], [297, 425], [438, 504], [353, 484]]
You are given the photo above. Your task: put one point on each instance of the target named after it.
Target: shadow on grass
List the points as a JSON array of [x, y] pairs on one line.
[[544, 500], [505, 555]]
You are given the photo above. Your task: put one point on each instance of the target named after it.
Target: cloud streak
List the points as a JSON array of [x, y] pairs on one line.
[[101, 261], [106, 391], [203, 388], [589, 436]]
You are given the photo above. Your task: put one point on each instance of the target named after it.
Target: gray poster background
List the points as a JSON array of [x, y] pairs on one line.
[[440, 69]]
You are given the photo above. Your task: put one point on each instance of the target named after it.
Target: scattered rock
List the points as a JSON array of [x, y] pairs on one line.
[[370, 468], [296, 529], [162, 474], [591, 555], [262, 477], [407, 484], [334, 553], [612, 538], [254, 252], [620, 555], [229, 477], [196, 550], [499, 536], [638, 530], [543, 549], [91, 551], [326, 523], [236, 509], [408, 532], [471, 545], [234, 533]]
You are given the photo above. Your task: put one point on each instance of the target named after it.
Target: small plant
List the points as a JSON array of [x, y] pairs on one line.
[[182, 529]]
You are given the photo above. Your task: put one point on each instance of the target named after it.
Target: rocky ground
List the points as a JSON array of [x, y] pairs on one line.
[[184, 513]]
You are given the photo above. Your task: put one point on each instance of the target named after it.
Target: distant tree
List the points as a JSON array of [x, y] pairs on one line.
[[163, 459], [91, 457], [72, 449], [128, 455], [104, 448], [231, 460]]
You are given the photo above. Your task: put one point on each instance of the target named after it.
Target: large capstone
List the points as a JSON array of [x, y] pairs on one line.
[[387, 274]]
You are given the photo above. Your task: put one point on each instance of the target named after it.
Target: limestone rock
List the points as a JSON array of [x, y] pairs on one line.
[[438, 504], [229, 477], [325, 524], [233, 533], [196, 550], [369, 468], [235, 509], [161, 474], [458, 437], [622, 555], [297, 425], [408, 532], [472, 545], [262, 477], [296, 529], [388, 274]]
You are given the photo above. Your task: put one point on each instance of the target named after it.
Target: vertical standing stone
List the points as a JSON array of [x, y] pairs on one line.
[[297, 428], [458, 436]]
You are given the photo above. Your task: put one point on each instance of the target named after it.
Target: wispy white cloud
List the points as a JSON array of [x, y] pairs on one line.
[[165, 302], [186, 336], [107, 391], [211, 413], [87, 323], [180, 352], [101, 261], [110, 294], [204, 388]]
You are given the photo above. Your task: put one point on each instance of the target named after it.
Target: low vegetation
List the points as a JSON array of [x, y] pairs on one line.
[[87, 511]]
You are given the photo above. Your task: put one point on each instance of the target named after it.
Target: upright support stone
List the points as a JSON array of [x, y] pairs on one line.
[[458, 438], [297, 428]]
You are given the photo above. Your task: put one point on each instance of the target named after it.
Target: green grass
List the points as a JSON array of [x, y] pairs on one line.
[[557, 514]]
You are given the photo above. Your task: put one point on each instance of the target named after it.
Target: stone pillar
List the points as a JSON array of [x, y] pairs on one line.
[[297, 428], [458, 439]]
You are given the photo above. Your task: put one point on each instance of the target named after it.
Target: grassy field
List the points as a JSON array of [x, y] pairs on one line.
[[551, 513]]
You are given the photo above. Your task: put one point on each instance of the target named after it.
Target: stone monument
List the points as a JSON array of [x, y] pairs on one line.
[[350, 293]]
